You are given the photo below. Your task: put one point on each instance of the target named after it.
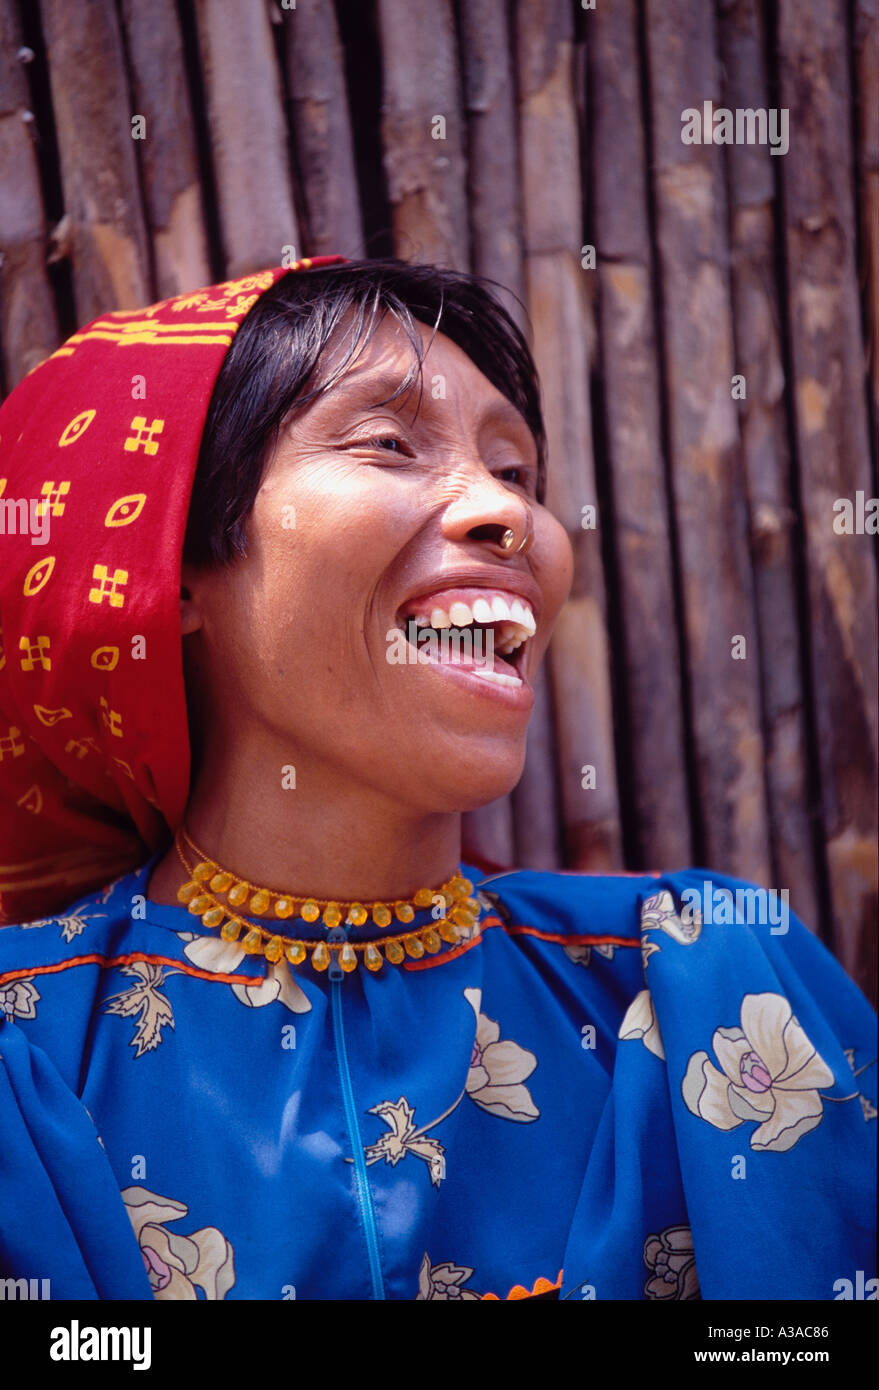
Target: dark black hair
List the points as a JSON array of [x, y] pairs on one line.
[[278, 348]]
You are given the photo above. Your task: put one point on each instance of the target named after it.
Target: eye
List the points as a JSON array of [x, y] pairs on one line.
[[525, 477], [388, 443]]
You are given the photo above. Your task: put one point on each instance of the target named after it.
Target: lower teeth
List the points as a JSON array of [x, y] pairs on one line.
[[496, 676]]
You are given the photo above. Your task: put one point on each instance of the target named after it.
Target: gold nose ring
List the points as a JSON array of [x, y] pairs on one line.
[[508, 538]]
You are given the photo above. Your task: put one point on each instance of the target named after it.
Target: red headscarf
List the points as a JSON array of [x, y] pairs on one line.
[[98, 445]]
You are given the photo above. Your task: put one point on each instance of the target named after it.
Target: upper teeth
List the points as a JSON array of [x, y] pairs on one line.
[[516, 616]]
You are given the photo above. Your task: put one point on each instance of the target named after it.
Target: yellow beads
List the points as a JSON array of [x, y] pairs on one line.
[[462, 917], [459, 916], [461, 887], [372, 957], [275, 948]]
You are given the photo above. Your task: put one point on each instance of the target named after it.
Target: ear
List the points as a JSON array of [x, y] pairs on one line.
[[190, 612]]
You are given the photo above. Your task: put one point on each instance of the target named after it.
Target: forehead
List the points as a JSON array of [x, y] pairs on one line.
[[379, 367]]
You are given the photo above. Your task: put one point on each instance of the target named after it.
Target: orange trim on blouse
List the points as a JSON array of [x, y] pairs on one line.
[[561, 938], [30, 971], [427, 963]]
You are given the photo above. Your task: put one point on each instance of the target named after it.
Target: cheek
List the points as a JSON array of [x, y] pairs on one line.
[[553, 564], [313, 557]]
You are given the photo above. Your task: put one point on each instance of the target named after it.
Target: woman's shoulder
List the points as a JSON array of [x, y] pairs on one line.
[[66, 952], [566, 902], [680, 902], [692, 922], [87, 920]]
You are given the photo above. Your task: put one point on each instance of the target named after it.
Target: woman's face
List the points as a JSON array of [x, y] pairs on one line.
[[368, 514]]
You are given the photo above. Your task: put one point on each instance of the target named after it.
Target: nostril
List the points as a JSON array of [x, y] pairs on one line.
[[490, 531]]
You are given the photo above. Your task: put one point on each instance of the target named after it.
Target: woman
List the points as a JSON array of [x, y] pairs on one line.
[[300, 1050]]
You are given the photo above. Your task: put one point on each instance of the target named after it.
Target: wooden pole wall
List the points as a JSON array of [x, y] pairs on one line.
[[28, 322], [766, 457], [710, 692], [833, 450]]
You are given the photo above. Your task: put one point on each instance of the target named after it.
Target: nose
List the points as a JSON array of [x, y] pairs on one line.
[[491, 513]]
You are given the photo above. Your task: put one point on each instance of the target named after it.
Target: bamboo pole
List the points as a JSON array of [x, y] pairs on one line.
[[866, 46], [493, 202], [563, 335], [168, 157], [535, 819], [423, 142], [757, 322], [320, 124], [493, 190], [707, 480], [109, 248], [28, 323], [422, 132], [833, 457], [248, 135], [633, 427]]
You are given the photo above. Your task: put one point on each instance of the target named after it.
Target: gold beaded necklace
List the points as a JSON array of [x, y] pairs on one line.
[[207, 882]]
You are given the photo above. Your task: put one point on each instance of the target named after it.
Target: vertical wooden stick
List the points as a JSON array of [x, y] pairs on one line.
[[866, 36], [707, 478], [248, 134], [494, 208], [494, 195], [833, 455], [422, 132], [28, 323], [92, 108], [321, 129], [633, 426], [759, 359], [168, 159], [563, 335]]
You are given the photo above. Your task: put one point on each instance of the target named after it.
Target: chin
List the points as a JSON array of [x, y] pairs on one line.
[[469, 783]]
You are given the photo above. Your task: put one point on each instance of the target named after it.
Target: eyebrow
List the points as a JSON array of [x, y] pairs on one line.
[[360, 386]]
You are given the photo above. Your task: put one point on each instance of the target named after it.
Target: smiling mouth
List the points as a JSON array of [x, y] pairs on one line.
[[483, 632]]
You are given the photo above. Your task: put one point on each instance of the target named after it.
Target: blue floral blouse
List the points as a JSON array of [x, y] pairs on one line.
[[613, 1088]]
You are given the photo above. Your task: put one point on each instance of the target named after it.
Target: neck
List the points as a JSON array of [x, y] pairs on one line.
[[340, 840]]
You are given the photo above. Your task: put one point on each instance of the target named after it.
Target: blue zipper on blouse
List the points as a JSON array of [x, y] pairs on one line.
[[364, 1196]]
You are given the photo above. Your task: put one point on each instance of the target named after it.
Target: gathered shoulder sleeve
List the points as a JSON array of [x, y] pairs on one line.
[[63, 1223], [740, 1133]]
